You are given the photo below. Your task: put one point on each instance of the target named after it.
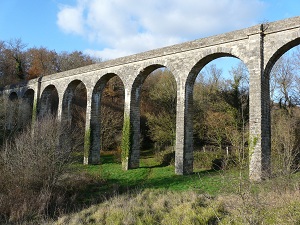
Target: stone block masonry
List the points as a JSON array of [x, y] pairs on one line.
[[259, 47]]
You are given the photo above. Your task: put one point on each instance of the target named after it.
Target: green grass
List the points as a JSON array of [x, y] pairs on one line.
[[152, 175], [153, 194]]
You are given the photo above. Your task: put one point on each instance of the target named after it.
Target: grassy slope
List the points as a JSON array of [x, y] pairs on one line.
[[204, 197], [151, 175]]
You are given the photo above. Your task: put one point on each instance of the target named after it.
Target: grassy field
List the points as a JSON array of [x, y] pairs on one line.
[[152, 175], [153, 194]]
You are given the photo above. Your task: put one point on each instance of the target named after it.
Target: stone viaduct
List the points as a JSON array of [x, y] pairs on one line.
[[259, 47]]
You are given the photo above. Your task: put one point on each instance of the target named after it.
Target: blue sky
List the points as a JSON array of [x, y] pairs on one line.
[[114, 28]]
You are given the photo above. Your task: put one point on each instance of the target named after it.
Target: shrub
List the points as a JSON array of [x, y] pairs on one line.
[[285, 142], [204, 160], [30, 166], [216, 160], [165, 157]]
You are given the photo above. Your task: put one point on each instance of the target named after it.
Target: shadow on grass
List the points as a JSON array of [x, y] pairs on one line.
[[104, 159], [112, 181], [113, 186], [151, 167], [148, 153], [164, 178], [185, 182]]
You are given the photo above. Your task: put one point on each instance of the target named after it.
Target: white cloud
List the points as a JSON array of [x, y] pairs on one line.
[[130, 26], [70, 20]]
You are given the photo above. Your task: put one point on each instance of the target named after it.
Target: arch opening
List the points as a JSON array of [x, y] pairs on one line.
[[288, 47], [283, 69], [12, 113], [153, 115], [218, 108], [107, 117], [27, 108], [74, 116], [48, 102]]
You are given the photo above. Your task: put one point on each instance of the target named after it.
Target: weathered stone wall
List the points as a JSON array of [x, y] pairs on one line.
[[258, 47]]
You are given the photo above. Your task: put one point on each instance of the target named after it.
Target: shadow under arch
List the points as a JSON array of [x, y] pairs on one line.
[[96, 126], [13, 96], [135, 115], [186, 167], [74, 90], [73, 116], [12, 112], [48, 102], [27, 107]]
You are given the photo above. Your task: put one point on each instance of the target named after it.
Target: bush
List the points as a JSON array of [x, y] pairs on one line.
[[215, 160], [165, 157], [31, 166], [285, 142], [204, 160]]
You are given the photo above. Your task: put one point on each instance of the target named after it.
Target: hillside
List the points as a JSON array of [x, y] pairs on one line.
[[154, 195]]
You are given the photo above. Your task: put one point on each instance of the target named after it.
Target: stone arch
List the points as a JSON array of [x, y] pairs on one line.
[[280, 50], [27, 107], [73, 117], [142, 75], [278, 53], [48, 101], [207, 57], [13, 96], [184, 148], [95, 121], [69, 99], [12, 112], [134, 114], [150, 66]]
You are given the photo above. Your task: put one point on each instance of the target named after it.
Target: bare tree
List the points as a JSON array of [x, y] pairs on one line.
[[16, 52], [285, 93], [67, 61], [31, 166], [18, 63], [285, 141], [12, 61], [283, 83]]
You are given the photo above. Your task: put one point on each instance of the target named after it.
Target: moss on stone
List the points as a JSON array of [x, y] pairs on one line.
[[87, 143], [126, 142], [252, 143]]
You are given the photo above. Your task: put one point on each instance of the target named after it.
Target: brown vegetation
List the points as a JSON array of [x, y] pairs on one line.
[[19, 63], [269, 205], [32, 166]]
